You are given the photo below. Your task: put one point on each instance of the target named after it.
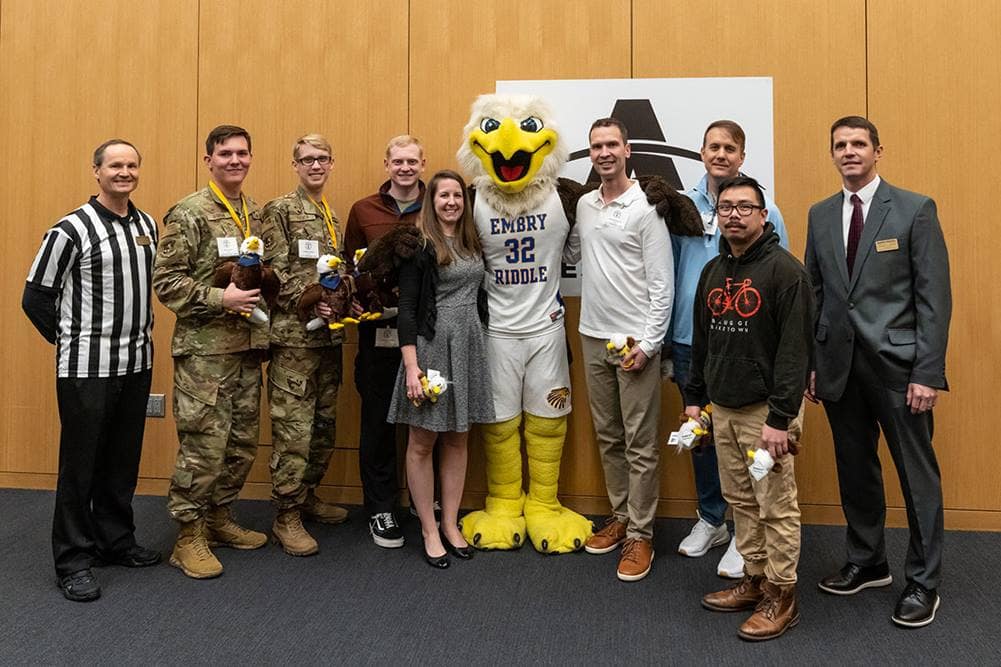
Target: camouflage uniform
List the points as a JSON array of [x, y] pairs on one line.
[[217, 359], [305, 369]]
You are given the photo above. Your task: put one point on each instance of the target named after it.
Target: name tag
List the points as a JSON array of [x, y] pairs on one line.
[[228, 246], [143, 240], [309, 249], [387, 337], [886, 245]]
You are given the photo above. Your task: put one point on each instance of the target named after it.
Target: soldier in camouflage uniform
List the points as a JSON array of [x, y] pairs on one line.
[[217, 357], [305, 369]]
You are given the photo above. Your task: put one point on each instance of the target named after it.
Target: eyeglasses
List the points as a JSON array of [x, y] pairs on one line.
[[743, 208], [309, 160]]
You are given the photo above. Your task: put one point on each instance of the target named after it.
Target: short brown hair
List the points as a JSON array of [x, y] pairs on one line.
[[731, 127], [99, 151], [610, 122], [858, 123], [221, 133]]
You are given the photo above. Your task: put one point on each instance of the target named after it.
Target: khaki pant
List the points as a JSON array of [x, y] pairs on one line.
[[302, 396], [217, 400], [765, 513], [625, 410]]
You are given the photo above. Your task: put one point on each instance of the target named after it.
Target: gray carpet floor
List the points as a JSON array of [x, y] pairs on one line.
[[355, 603]]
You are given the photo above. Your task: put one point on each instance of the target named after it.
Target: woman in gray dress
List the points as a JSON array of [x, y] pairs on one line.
[[442, 314]]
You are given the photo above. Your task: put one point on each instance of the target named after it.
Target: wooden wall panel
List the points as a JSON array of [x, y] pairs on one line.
[[459, 48], [282, 69], [817, 75], [74, 74], [375, 70], [934, 92]]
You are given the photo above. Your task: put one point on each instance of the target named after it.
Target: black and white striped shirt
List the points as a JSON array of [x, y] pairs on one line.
[[98, 266]]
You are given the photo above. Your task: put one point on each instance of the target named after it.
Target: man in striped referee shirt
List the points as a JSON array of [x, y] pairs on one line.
[[88, 292]]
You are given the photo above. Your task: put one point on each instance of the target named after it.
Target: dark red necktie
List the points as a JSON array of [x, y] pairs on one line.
[[854, 233]]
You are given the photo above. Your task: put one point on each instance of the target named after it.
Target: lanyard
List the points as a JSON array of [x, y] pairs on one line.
[[328, 217], [244, 228]]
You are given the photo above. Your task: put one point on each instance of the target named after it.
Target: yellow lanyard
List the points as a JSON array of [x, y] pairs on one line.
[[245, 226], [328, 217]]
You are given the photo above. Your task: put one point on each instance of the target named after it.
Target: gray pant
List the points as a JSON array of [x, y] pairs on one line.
[[856, 419], [625, 410]]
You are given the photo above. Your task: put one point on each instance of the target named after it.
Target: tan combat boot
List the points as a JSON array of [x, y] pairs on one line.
[[776, 613], [745, 595], [192, 554], [288, 532], [222, 531], [318, 510]]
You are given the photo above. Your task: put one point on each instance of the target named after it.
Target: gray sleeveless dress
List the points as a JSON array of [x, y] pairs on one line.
[[457, 351]]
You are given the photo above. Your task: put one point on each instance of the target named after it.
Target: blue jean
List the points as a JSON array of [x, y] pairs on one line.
[[712, 507]]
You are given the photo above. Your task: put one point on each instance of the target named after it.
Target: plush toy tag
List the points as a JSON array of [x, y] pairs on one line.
[[309, 249], [387, 337], [228, 246]]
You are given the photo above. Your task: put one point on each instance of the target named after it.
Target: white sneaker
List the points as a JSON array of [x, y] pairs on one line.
[[704, 536], [731, 565]]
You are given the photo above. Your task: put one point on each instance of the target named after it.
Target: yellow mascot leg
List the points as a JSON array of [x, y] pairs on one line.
[[552, 527], [501, 525]]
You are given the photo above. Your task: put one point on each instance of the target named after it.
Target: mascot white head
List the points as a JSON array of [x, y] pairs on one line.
[[512, 151]]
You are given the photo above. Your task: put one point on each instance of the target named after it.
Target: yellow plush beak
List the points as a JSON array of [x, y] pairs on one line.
[[512, 151]]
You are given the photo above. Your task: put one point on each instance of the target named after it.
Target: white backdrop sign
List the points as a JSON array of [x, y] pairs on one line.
[[666, 119]]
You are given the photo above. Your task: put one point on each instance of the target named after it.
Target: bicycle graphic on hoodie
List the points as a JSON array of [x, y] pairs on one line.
[[740, 297]]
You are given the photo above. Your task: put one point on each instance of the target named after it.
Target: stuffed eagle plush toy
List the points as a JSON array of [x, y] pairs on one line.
[[513, 153], [249, 272]]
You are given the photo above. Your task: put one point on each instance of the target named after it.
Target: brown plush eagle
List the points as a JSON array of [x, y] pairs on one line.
[[249, 272], [334, 289], [376, 274]]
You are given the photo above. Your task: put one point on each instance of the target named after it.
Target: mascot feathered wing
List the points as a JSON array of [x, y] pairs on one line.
[[523, 212], [513, 153]]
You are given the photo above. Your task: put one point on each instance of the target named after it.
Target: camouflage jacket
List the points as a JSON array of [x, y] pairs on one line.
[[182, 277], [288, 221]]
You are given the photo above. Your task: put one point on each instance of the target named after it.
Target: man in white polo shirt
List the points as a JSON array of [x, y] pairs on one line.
[[627, 289]]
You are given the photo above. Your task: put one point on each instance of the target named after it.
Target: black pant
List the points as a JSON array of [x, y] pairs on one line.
[[102, 421], [375, 378], [865, 407]]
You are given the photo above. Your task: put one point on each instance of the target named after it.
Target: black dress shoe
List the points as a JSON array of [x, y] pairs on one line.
[[852, 578], [916, 607], [80, 586], [462, 553], [134, 556], [437, 562]]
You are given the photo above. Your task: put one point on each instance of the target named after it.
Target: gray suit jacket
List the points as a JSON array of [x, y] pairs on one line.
[[897, 305]]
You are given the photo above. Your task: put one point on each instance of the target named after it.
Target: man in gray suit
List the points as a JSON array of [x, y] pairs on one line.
[[880, 272]]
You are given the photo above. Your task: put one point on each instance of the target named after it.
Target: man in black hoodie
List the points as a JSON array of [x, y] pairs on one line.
[[751, 346]]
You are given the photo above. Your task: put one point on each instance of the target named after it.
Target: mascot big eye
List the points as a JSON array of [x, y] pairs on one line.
[[513, 152]]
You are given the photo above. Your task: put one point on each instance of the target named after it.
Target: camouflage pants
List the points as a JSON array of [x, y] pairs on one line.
[[217, 402], [302, 394]]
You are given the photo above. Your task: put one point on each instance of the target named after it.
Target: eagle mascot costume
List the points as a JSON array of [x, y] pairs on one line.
[[523, 212]]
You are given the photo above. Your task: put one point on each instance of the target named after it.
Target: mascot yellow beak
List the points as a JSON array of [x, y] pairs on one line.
[[512, 150]]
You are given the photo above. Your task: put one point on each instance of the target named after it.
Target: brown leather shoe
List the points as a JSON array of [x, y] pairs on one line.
[[775, 614], [606, 539], [745, 595], [637, 557]]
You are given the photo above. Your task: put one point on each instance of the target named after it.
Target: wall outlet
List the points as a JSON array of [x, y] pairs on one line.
[[156, 406]]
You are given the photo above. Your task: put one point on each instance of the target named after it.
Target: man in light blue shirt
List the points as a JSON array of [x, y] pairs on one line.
[[723, 154]]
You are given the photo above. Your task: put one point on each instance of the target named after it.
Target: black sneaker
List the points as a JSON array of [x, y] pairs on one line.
[[916, 607], [385, 531], [853, 578], [134, 556], [437, 510], [80, 586]]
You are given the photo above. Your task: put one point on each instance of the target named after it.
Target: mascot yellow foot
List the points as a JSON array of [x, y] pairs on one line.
[[501, 525], [552, 527]]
